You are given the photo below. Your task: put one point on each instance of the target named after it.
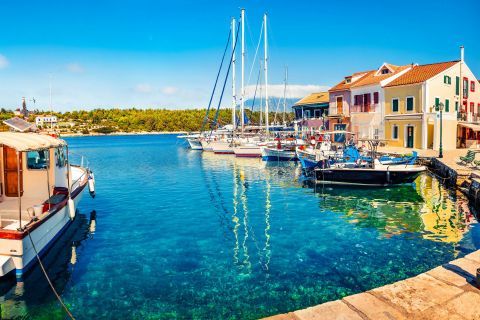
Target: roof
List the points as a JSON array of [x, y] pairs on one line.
[[19, 124], [344, 86], [421, 73], [29, 141], [374, 78], [314, 98]]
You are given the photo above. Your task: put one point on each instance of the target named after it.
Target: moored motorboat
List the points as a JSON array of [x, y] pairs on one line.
[[278, 154], [195, 143], [222, 147], [379, 176], [37, 203]]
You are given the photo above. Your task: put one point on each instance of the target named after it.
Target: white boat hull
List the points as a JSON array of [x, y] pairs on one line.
[[19, 254], [195, 144]]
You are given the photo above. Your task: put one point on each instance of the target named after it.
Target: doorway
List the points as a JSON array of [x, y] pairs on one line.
[[410, 136], [11, 169], [339, 101]]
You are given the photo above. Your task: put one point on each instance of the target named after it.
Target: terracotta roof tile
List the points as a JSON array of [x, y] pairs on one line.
[[314, 98], [421, 73], [344, 86], [374, 78]]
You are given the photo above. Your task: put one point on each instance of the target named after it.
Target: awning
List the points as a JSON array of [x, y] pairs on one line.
[[474, 127], [29, 141]]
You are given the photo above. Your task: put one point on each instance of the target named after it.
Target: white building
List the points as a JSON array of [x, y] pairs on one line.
[[43, 121]]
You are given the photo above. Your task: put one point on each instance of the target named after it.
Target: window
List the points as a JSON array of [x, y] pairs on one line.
[[376, 133], [317, 113], [306, 114], [395, 105], [437, 102], [395, 132], [385, 71], [465, 87], [447, 105], [375, 97], [410, 103], [447, 79], [457, 86], [472, 106], [472, 86], [37, 159], [456, 106]]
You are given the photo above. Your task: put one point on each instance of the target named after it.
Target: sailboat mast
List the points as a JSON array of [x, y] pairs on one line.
[[242, 105], [266, 71], [285, 95], [51, 109], [234, 100]]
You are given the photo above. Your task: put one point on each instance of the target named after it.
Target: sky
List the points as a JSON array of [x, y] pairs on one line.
[[165, 54]]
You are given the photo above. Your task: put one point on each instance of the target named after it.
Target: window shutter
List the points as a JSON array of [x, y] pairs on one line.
[[437, 102], [457, 85], [447, 105], [375, 97], [456, 106]]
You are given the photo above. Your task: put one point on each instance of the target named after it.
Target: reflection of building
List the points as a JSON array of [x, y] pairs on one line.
[[310, 112], [444, 219]]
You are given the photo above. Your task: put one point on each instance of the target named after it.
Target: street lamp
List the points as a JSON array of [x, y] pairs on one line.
[[439, 107]]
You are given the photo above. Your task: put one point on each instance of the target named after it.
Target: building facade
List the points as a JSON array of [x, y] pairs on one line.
[[340, 102], [311, 112], [42, 121], [367, 105], [412, 107]]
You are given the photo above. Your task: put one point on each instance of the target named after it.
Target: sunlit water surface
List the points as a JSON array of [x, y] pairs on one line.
[[186, 234]]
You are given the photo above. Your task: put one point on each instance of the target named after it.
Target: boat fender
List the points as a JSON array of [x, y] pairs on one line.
[[388, 175], [71, 208], [91, 185]]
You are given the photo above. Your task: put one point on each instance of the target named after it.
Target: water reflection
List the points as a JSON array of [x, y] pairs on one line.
[[425, 207], [33, 296]]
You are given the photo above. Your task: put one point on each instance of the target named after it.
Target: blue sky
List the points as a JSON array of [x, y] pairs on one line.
[[165, 53]]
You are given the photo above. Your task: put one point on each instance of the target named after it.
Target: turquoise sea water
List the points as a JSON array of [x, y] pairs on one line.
[[185, 234]]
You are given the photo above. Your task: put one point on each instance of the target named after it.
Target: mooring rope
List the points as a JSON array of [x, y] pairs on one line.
[[48, 278]]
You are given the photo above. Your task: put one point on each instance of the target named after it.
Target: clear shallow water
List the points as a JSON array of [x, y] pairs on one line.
[[185, 234]]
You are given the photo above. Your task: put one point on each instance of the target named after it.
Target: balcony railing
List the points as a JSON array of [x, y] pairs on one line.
[[364, 108], [468, 116]]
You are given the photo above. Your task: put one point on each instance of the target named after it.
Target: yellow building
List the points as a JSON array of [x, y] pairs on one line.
[[411, 119]]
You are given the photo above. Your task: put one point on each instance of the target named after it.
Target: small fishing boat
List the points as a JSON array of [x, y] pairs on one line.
[[39, 194]]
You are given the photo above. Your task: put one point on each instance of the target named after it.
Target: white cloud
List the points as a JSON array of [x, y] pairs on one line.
[[75, 67], [143, 88], [3, 62], [169, 90], [293, 90]]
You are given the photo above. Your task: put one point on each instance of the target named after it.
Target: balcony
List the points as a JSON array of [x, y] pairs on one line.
[[468, 116], [364, 108]]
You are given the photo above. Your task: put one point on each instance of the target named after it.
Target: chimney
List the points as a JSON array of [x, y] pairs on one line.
[[462, 54]]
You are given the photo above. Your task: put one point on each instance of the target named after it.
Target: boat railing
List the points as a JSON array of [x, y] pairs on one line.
[[78, 160]]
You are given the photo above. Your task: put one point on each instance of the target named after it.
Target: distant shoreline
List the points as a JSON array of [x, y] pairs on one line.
[[94, 134]]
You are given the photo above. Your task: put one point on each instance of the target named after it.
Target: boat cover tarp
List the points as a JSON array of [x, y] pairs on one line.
[[29, 141]]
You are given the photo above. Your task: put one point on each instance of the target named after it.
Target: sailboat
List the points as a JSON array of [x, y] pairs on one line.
[[252, 147]]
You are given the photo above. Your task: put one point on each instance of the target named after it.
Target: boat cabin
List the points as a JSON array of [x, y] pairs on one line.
[[33, 171]]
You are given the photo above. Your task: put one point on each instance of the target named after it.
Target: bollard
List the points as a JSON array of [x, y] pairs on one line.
[[478, 277]]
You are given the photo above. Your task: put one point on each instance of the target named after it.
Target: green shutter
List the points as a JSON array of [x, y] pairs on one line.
[[409, 104], [456, 106], [447, 105], [395, 105], [437, 102], [457, 85]]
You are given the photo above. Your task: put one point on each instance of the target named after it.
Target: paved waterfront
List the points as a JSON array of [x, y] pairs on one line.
[[446, 292]]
